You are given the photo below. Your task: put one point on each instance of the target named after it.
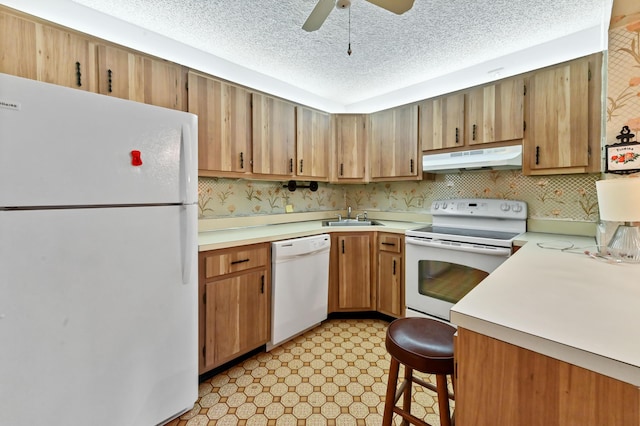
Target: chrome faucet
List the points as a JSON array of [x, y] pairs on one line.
[[349, 212]]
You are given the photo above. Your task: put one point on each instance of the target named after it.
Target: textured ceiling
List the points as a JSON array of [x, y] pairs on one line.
[[390, 52]]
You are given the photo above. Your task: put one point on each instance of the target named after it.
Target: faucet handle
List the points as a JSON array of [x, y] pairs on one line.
[[339, 217], [365, 215]]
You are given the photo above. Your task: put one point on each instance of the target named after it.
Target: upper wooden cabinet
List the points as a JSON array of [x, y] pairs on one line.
[[563, 118], [313, 143], [224, 126], [274, 136], [350, 163], [18, 46], [33, 50], [495, 112], [128, 75], [442, 122], [393, 140]]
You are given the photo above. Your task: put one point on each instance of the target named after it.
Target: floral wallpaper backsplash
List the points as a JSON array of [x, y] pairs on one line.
[[567, 197]]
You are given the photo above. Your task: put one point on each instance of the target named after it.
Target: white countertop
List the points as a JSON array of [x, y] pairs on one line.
[[563, 304], [223, 238]]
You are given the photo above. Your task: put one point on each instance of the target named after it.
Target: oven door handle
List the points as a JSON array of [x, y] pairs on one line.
[[470, 248]]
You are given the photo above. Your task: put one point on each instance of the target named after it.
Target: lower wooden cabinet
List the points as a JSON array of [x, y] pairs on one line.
[[235, 303], [498, 383], [390, 276], [350, 275]]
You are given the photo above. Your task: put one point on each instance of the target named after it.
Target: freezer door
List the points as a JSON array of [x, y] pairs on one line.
[[96, 322], [60, 146]]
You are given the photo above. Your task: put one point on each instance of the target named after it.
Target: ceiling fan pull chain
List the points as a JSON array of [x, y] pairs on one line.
[[349, 50]]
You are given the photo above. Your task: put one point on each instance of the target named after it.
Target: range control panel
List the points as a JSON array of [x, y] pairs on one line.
[[480, 207]]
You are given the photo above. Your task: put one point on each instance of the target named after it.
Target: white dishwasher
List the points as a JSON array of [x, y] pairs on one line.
[[300, 286]]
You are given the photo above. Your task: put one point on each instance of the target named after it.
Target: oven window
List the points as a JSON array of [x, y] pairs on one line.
[[447, 281]]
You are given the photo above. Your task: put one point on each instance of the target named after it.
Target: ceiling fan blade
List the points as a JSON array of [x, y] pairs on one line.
[[318, 15], [396, 6]]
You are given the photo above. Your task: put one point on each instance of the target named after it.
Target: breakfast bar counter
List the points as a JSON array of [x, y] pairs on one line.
[[572, 317]]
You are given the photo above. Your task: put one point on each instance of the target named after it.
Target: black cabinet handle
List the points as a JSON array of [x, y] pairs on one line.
[[300, 166], [78, 75], [110, 80], [262, 284], [411, 165], [388, 244], [341, 169], [394, 266], [457, 135], [474, 132], [290, 165], [235, 262], [242, 160], [342, 246], [537, 155]]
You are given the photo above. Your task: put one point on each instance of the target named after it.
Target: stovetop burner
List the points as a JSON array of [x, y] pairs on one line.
[[475, 220], [478, 233]]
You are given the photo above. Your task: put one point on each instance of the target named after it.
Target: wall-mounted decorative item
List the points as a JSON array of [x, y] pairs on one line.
[[623, 157]]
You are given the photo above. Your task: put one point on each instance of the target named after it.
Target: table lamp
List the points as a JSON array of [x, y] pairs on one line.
[[619, 201]]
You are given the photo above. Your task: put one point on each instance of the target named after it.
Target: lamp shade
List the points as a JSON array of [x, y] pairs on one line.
[[619, 199]]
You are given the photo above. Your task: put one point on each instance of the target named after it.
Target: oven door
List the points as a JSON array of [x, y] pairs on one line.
[[439, 273]]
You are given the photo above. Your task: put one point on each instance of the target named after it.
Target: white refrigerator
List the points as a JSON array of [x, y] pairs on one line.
[[98, 249]]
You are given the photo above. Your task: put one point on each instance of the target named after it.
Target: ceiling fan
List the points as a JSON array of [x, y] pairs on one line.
[[320, 13]]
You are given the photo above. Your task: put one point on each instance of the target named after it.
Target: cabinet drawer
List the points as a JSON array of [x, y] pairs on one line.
[[237, 260], [390, 242]]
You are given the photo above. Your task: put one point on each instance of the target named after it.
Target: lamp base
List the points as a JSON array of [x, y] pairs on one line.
[[625, 243]]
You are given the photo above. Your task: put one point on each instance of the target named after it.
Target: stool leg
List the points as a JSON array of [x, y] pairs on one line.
[[406, 400], [390, 398], [443, 400]]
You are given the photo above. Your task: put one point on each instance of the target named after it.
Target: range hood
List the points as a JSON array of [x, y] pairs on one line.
[[507, 157]]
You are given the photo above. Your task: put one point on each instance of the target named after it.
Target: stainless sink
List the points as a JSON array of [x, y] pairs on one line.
[[351, 222]]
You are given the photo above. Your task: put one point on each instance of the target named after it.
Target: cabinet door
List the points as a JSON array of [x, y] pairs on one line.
[[442, 122], [393, 136], [65, 59], [236, 316], [274, 135], [557, 134], [224, 124], [350, 147], [390, 283], [18, 46], [390, 278], [129, 75], [354, 269], [495, 113], [313, 143]]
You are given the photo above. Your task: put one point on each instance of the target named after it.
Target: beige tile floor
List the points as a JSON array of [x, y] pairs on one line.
[[335, 374]]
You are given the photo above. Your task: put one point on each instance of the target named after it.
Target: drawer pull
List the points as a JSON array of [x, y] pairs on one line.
[[388, 244], [394, 266], [239, 261]]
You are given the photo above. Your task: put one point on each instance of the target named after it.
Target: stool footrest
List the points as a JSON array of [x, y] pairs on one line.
[[431, 386], [410, 417]]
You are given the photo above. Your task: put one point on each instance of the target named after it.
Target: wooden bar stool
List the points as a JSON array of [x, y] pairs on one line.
[[424, 345]]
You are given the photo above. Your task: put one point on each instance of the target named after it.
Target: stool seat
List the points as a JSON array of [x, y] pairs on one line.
[[425, 345]]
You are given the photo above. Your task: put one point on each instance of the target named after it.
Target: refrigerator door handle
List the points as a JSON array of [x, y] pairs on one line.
[[189, 161], [189, 242]]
